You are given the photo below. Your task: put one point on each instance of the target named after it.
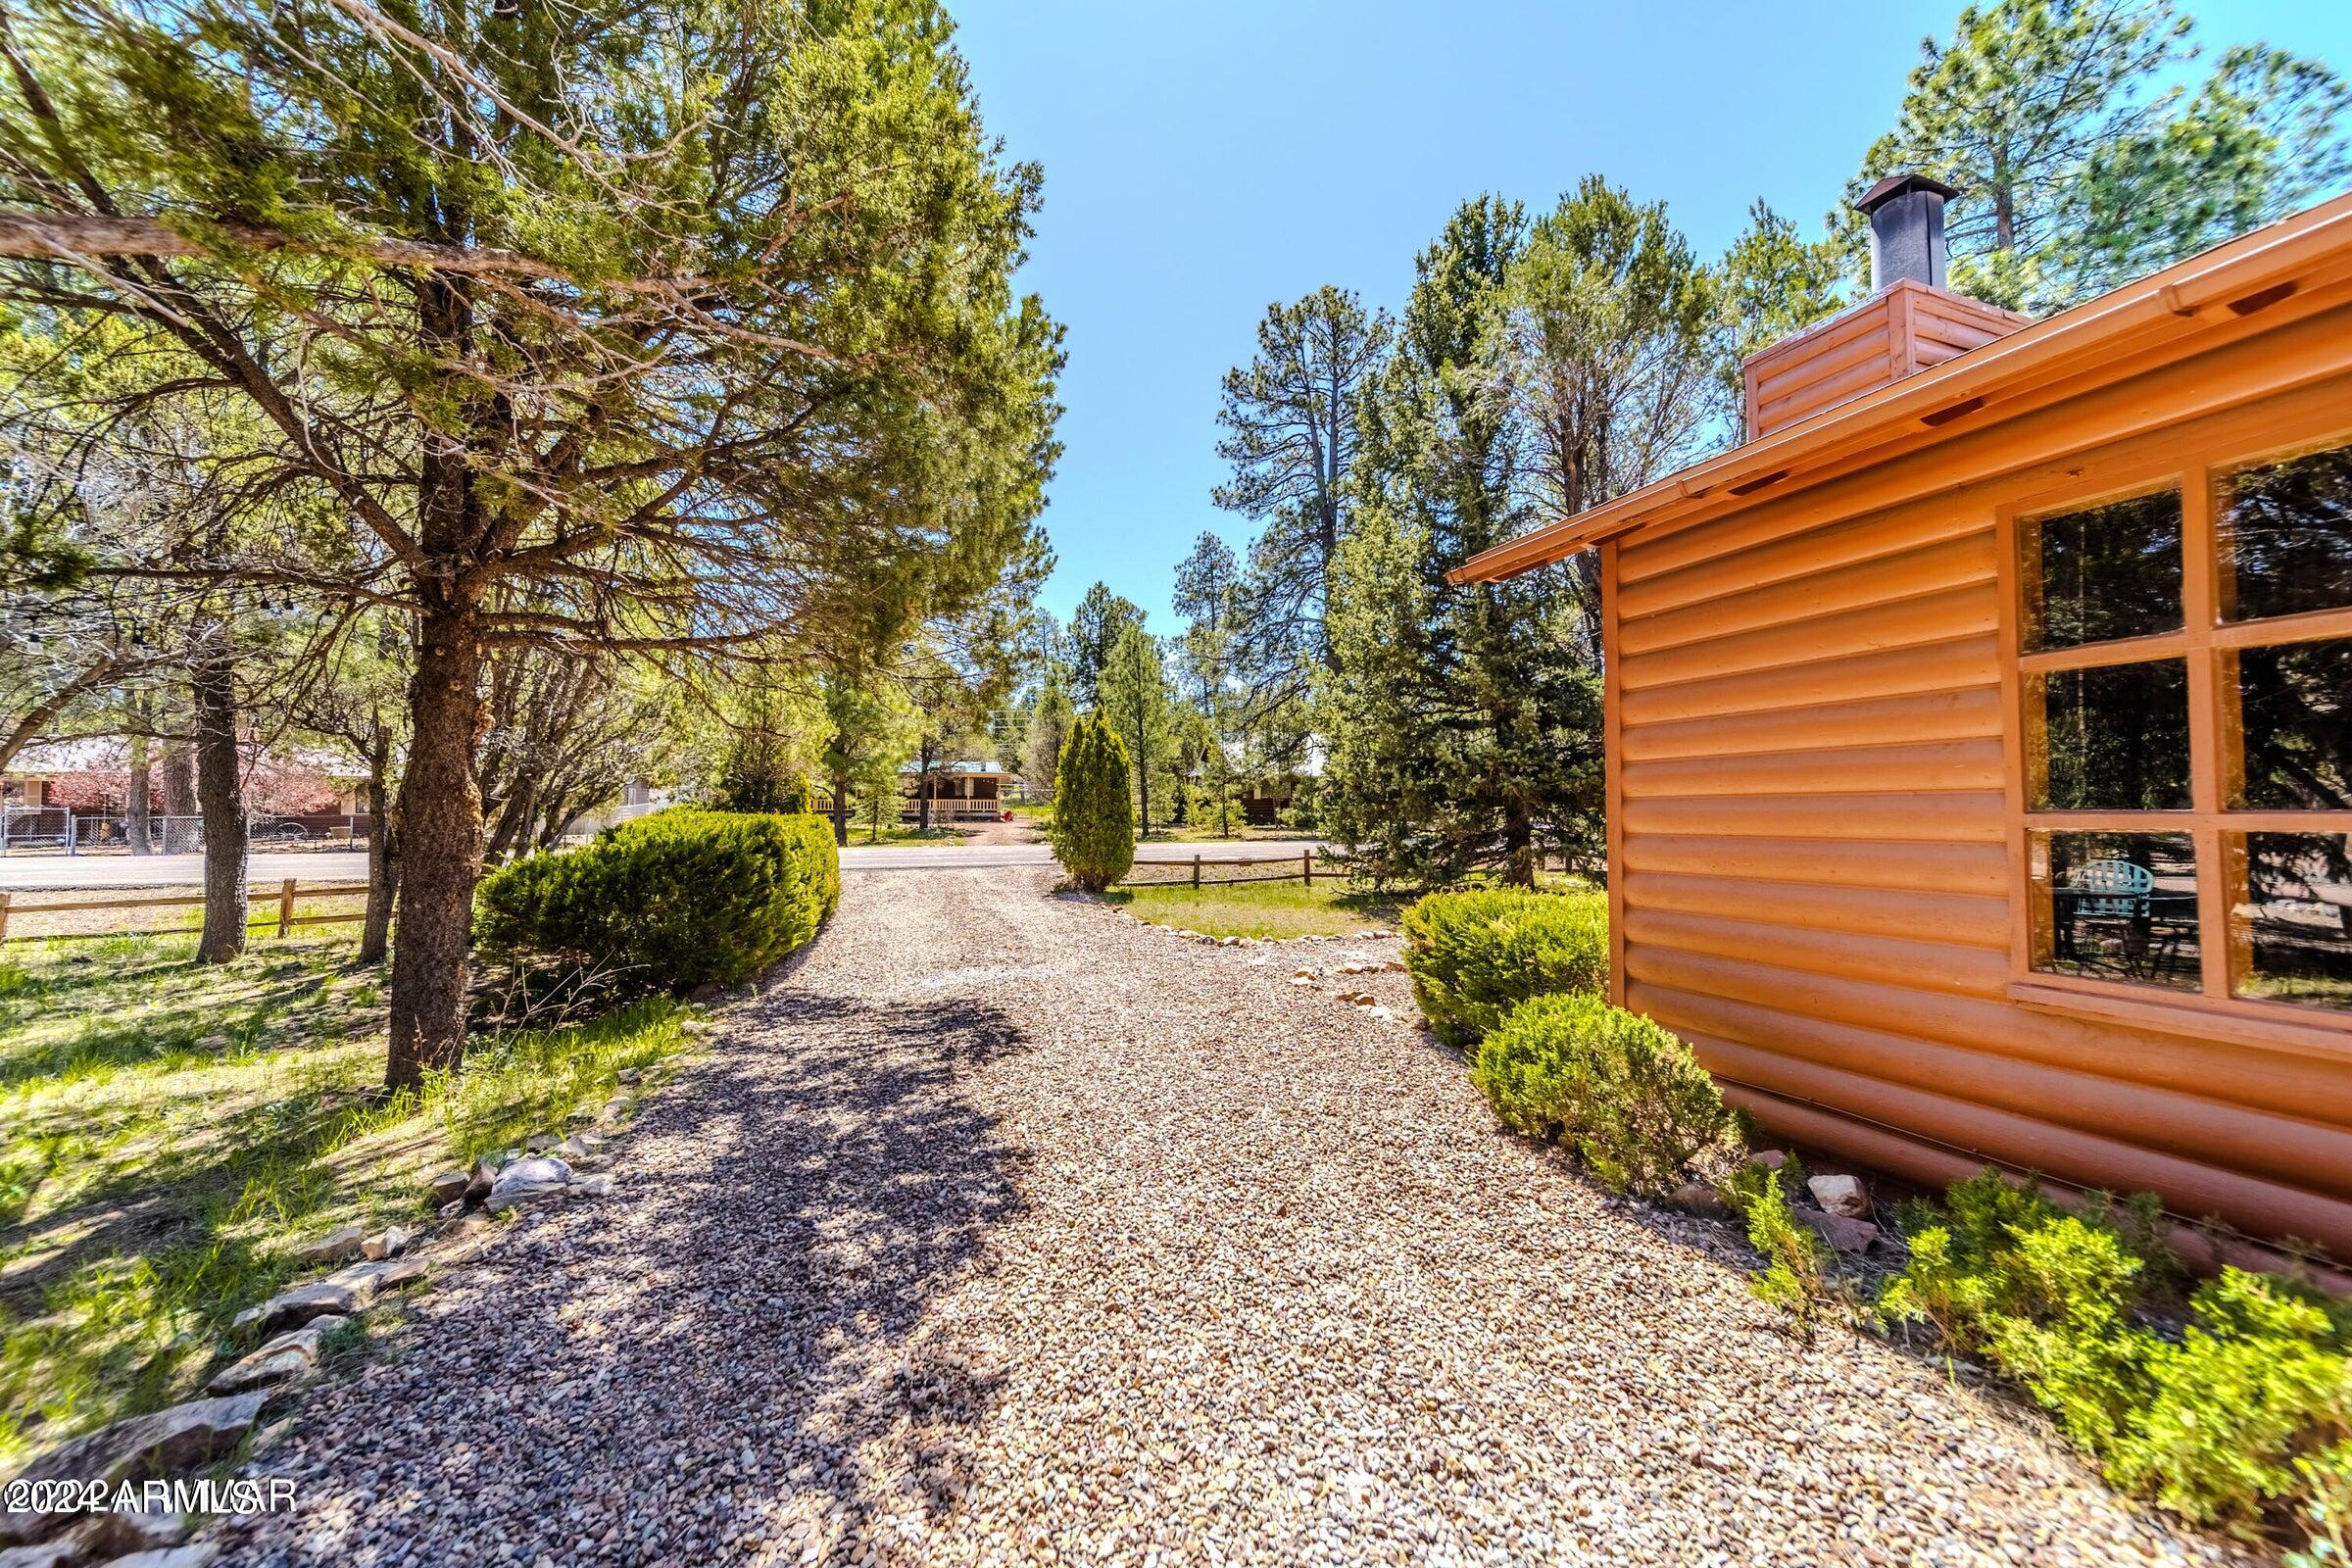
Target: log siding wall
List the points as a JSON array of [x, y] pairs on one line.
[[1817, 842]]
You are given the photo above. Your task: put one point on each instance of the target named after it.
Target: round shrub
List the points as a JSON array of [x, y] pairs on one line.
[[1476, 956], [1093, 827], [1630, 1096], [682, 898]]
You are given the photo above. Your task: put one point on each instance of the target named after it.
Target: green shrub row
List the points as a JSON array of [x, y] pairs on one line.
[[2248, 1412], [681, 898], [1475, 955]]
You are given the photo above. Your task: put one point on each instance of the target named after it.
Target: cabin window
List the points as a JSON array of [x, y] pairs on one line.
[[2186, 662]]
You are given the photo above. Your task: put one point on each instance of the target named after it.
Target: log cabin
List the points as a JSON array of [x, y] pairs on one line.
[[1980, 731]]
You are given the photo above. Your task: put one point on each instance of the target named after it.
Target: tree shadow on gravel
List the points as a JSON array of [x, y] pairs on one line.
[[736, 1352]]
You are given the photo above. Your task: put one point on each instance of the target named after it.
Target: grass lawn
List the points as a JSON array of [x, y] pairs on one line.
[[1329, 908], [169, 1132]]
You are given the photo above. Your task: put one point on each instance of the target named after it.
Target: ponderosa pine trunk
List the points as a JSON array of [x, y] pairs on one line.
[[440, 838], [179, 782], [383, 853], [1518, 847], [922, 792], [135, 819], [220, 798], [841, 810]]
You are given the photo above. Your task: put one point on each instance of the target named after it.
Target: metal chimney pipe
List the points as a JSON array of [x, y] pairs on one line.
[[1907, 230]]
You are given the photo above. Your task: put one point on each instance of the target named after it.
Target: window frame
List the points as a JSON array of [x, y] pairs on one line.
[[2194, 463]]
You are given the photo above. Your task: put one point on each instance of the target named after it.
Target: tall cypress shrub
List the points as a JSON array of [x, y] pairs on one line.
[[1093, 832]]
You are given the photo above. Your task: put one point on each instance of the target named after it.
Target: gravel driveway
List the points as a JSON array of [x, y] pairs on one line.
[[1007, 1230]]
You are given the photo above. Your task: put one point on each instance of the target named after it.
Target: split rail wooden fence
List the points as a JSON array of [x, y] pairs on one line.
[[1301, 868], [286, 893]]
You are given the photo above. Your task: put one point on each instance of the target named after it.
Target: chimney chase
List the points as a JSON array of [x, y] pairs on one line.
[[1907, 230], [1908, 322]]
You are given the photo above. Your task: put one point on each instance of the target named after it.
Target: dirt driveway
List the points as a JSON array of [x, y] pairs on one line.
[[1005, 1230]]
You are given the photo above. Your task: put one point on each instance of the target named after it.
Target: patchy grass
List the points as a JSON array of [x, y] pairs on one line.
[[1329, 908], [169, 1131]]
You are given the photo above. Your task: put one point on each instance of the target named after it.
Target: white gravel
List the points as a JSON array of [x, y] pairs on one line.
[[1006, 1229]]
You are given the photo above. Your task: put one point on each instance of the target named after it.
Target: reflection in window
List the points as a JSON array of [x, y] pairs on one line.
[[2117, 907], [2117, 737], [2295, 711], [2103, 572], [2286, 536], [2295, 928]]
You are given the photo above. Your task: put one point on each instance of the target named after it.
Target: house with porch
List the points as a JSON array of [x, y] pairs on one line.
[[959, 792]]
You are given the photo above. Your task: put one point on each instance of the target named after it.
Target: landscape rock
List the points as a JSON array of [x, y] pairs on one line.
[[528, 1181], [390, 1241], [401, 1272], [1697, 1198], [630, 1075], [1845, 1235], [195, 1555], [1840, 1195], [162, 1443], [449, 1187], [63, 1554], [1768, 1158], [335, 1247], [291, 1355], [479, 1180], [599, 1186], [117, 1535], [573, 1148], [540, 1143]]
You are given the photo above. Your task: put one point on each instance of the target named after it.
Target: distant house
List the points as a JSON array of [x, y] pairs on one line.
[[959, 792], [92, 774], [1980, 732]]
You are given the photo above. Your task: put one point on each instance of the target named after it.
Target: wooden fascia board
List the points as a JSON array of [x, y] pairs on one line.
[[2160, 309]]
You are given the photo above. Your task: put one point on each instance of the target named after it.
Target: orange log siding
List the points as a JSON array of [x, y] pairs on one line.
[[1816, 820]]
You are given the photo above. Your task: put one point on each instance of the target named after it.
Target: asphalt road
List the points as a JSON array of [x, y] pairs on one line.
[[26, 872]]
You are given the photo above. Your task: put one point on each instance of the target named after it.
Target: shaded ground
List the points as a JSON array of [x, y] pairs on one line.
[[1007, 1229]]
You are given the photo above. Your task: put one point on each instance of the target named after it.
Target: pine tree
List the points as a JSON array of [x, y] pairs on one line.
[[2080, 167], [1094, 628], [1289, 418], [1092, 828], [1133, 699], [1049, 721], [1463, 724]]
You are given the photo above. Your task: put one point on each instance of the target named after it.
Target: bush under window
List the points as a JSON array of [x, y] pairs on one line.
[[1626, 1094], [1476, 956]]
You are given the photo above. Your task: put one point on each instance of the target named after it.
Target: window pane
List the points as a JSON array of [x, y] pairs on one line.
[[2103, 572], [2295, 711], [2117, 737], [2295, 927], [2286, 536], [2117, 907]]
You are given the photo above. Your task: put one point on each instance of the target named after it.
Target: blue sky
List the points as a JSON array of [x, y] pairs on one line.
[[1205, 160]]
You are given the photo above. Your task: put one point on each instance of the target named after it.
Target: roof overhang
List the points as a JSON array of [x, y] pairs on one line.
[[2228, 284]]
